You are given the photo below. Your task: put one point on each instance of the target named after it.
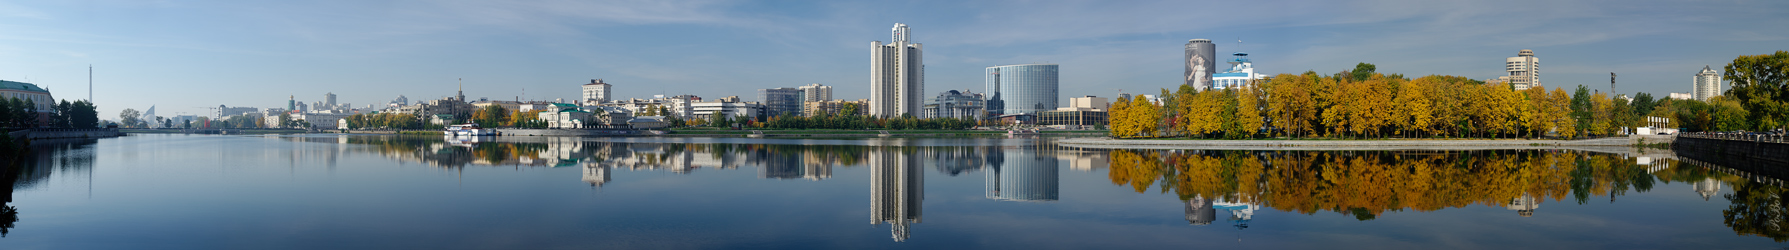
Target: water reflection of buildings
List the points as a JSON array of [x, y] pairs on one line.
[[1708, 188], [1026, 176], [897, 189], [1524, 205], [1199, 211]]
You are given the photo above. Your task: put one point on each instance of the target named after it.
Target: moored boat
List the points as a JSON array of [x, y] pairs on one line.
[[468, 130]]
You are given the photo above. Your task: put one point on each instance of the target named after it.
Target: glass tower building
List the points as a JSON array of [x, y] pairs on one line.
[[1021, 89]]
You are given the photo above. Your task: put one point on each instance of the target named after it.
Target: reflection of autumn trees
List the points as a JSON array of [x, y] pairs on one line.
[[1368, 183]]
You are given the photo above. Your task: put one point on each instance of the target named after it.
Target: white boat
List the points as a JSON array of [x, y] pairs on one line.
[[468, 130]]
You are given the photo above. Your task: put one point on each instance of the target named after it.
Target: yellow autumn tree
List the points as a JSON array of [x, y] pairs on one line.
[[1248, 110], [1118, 119], [1562, 113], [1413, 107]]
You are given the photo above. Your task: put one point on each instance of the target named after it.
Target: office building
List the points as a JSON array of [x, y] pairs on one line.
[[956, 104], [1201, 63], [1708, 84], [1680, 96], [897, 76], [781, 101], [596, 92], [815, 92], [1021, 89], [1241, 73], [1524, 70]]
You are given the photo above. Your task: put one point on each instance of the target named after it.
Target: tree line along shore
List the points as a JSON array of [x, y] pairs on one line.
[[1365, 104]]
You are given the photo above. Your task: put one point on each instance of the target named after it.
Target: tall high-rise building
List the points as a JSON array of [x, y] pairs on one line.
[[897, 189], [596, 92], [781, 101], [815, 92], [897, 76], [1708, 84], [1524, 70], [328, 101], [1021, 89], [1201, 63]]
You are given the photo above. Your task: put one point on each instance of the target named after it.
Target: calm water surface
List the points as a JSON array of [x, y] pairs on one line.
[[358, 192]]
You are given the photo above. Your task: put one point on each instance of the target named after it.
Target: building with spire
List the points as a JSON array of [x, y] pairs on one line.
[[897, 76], [1707, 84]]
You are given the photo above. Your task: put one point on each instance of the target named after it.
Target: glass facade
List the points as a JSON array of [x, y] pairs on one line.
[[780, 101], [1021, 89]]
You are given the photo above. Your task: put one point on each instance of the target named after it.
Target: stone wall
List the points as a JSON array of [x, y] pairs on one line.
[[1738, 154]]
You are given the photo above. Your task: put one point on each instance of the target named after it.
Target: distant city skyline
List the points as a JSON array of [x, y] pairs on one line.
[[184, 57]]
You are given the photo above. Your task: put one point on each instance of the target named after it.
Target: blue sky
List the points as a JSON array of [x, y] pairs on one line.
[[186, 55]]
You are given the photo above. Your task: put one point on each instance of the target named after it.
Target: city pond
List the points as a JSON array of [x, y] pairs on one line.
[[363, 191]]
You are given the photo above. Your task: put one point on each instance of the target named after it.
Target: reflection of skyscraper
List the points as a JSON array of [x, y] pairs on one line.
[[1029, 177], [596, 174], [1199, 211], [897, 187], [1708, 188], [780, 166], [1524, 205]]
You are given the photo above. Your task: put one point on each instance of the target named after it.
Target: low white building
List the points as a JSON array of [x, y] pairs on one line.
[[730, 107], [565, 116]]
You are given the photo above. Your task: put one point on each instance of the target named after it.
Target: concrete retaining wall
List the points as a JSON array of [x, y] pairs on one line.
[[1733, 153]]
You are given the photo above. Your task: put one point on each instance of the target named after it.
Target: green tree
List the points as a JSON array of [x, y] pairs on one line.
[[1362, 71], [130, 118], [1581, 108], [1761, 85]]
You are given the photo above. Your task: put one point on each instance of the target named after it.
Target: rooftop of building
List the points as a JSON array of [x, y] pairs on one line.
[[11, 85], [597, 82]]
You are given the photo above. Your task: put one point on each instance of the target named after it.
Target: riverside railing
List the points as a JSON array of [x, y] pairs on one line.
[[1738, 136]]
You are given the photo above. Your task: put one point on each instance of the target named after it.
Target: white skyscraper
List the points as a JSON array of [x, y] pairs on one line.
[[897, 76], [597, 92], [1708, 84], [1524, 70]]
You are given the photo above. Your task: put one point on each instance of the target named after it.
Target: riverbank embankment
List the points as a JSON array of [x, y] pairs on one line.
[[1423, 144], [61, 133]]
